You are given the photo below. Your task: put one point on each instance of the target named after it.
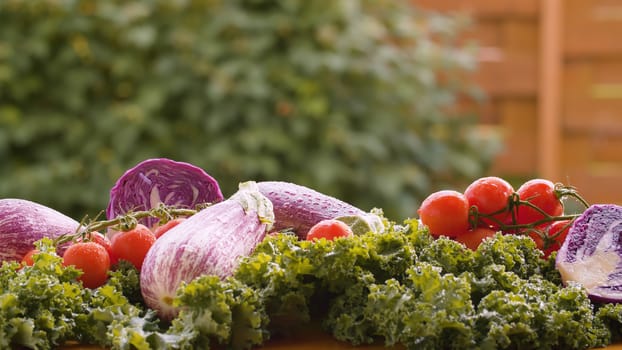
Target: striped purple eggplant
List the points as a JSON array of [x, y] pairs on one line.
[[298, 208], [211, 241], [23, 222]]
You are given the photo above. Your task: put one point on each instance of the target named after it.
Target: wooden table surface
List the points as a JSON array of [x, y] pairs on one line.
[[312, 340]]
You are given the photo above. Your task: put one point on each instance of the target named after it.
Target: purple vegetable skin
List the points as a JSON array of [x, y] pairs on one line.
[[298, 207], [23, 222], [592, 253], [210, 242], [161, 180]]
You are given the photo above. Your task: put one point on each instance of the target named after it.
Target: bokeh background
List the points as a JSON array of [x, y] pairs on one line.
[[378, 103]]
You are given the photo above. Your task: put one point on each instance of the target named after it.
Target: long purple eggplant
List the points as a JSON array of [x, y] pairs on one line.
[[298, 208], [23, 222], [211, 241]]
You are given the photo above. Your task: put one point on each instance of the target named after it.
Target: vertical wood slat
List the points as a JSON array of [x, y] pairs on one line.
[[550, 65]]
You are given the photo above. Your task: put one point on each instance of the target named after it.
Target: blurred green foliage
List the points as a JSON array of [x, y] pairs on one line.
[[353, 98]]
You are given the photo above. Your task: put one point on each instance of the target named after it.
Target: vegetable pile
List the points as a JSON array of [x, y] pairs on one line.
[[239, 271]]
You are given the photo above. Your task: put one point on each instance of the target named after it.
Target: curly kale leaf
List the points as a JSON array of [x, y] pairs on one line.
[[539, 315], [611, 315], [39, 302], [227, 312], [110, 320], [417, 233], [549, 271], [385, 256], [448, 254], [346, 317], [518, 253], [426, 311], [143, 333], [492, 278], [281, 270], [126, 279], [436, 314], [572, 313]]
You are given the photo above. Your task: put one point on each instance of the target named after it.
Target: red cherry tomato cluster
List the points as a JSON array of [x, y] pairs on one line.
[[95, 254], [490, 204]]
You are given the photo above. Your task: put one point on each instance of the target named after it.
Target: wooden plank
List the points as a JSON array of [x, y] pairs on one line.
[[607, 149], [596, 186], [584, 168], [514, 76], [592, 27], [591, 153], [521, 35], [508, 59], [577, 153], [517, 124], [549, 90], [593, 97], [483, 8], [486, 33]]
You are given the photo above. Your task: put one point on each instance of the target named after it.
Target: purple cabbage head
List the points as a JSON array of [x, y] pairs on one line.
[[591, 255], [161, 180]]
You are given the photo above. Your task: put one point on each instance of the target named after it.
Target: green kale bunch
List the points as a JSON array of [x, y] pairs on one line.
[[38, 304], [404, 287]]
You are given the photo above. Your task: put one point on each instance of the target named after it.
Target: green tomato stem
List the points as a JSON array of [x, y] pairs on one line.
[[514, 202], [125, 222]]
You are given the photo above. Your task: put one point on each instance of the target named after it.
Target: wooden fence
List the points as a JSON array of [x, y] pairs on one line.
[[552, 70]]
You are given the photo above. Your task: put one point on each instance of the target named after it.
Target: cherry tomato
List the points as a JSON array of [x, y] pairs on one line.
[[92, 259], [27, 259], [540, 193], [490, 195], [133, 245], [472, 238], [104, 242], [556, 234], [445, 213], [329, 229], [162, 229]]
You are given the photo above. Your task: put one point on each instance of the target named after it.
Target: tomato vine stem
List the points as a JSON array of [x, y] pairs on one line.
[[514, 201], [126, 222]]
